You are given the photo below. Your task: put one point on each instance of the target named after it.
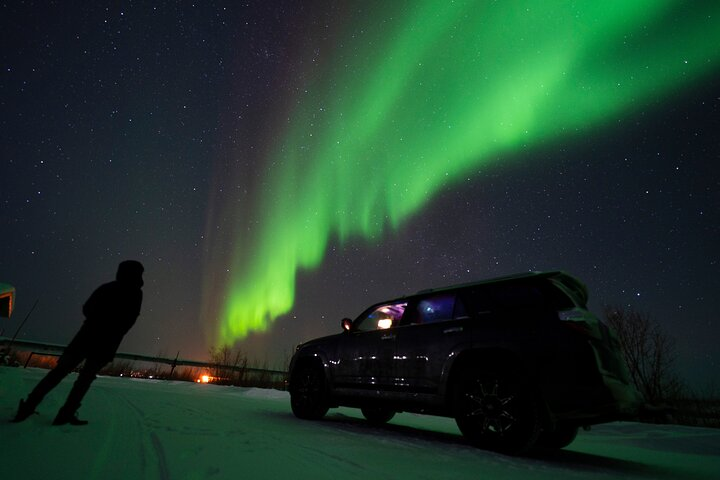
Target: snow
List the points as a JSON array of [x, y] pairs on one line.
[[151, 429]]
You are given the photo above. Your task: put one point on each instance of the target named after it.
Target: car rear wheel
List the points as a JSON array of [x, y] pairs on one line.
[[497, 411], [308, 396], [377, 415]]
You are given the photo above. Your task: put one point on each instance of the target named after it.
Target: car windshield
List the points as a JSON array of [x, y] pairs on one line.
[[381, 317]]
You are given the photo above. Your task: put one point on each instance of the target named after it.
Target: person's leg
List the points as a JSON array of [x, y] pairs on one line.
[[70, 359], [67, 414]]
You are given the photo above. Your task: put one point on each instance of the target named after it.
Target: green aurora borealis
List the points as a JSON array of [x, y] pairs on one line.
[[409, 106]]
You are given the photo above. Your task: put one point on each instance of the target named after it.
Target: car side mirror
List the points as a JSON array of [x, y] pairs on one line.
[[346, 324]]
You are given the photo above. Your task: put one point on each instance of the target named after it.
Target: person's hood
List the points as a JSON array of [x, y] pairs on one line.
[[130, 271]]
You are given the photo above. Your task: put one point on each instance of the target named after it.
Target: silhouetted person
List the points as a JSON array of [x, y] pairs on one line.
[[110, 312]]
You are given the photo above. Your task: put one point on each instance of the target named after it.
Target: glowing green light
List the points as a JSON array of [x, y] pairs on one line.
[[417, 102]]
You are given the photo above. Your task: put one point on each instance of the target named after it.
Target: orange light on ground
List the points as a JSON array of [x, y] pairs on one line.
[[204, 379]]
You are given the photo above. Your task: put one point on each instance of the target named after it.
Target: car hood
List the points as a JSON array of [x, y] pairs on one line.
[[319, 341]]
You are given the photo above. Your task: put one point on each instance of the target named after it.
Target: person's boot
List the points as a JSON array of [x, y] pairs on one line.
[[68, 416], [24, 411]]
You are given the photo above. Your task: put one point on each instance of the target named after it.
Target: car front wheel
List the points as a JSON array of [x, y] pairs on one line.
[[497, 411], [308, 397]]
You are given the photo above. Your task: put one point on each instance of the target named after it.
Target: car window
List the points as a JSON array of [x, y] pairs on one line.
[[382, 317], [435, 308], [516, 297]]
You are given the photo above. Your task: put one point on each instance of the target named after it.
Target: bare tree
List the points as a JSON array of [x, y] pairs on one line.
[[228, 364], [648, 351]]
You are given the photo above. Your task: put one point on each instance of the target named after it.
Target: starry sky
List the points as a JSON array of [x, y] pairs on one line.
[[278, 166]]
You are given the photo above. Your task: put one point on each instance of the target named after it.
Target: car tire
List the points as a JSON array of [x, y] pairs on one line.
[[497, 411], [377, 415], [308, 393], [560, 437]]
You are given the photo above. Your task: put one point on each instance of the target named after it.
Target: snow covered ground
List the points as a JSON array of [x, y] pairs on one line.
[[145, 429]]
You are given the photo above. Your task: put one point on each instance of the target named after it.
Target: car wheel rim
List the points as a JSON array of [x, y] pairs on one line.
[[491, 408], [309, 387]]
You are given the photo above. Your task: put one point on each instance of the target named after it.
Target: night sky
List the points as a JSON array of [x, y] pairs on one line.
[[279, 165]]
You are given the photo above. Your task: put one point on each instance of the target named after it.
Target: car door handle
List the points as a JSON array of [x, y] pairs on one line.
[[388, 336], [453, 330]]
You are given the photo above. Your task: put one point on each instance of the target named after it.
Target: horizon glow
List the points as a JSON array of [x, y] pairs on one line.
[[412, 105]]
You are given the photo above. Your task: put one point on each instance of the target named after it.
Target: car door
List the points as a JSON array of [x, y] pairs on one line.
[[434, 328], [365, 354]]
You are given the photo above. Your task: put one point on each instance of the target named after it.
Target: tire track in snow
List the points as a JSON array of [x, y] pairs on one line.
[[117, 429], [157, 447], [160, 454]]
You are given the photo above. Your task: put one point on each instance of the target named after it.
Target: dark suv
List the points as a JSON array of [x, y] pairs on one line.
[[518, 361]]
